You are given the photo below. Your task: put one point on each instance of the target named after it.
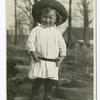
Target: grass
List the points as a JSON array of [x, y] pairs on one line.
[[76, 72]]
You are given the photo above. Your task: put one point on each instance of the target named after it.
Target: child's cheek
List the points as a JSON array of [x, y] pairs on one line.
[[53, 22]]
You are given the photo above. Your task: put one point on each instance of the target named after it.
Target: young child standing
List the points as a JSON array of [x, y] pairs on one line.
[[46, 46]]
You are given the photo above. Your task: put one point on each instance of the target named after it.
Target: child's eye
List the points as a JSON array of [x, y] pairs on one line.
[[51, 17]]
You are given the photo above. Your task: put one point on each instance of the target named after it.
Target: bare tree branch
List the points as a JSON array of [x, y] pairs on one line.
[[27, 7], [77, 16], [30, 3], [90, 21], [85, 11], [89, 10], [23, 10], [24, 23]]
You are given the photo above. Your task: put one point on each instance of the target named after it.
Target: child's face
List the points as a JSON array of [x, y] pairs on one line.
[[48, 17]]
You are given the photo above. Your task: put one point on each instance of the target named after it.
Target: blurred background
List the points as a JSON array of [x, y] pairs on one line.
[[76, 72]]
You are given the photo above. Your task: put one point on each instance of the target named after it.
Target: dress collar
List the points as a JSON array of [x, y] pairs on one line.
[[45, 26]]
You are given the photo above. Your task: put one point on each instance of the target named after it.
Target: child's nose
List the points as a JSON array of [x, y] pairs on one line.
[[48, 20]]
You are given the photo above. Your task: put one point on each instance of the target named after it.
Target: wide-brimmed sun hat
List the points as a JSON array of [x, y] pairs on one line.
[[38, 6]]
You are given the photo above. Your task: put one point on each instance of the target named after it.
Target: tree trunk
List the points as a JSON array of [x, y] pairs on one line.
[[15, 23], [69, 23], [86, 20], [35, 23]]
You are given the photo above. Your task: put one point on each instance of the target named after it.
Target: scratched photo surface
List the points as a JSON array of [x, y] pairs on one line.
[[76, 72]]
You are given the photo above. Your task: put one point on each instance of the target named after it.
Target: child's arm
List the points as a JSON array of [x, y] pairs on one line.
[[62, 49], [60, 60], [34, 56], [30, 45]]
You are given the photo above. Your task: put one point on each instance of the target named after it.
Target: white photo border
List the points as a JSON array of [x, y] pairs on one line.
[[3, 56]]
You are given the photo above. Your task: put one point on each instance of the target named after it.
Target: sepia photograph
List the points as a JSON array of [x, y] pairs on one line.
[[51, 49]]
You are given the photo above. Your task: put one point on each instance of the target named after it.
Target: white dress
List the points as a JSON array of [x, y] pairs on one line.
[[49, 43]]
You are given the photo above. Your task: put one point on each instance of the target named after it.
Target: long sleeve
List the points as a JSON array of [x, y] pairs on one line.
[[30, 44], [62, 45]]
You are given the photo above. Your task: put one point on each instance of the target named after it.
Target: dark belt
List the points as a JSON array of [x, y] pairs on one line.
[[48, 59]]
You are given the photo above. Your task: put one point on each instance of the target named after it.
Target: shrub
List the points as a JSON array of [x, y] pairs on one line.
[[78, 63]]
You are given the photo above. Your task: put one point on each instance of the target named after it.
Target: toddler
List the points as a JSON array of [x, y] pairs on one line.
[[46, 46]]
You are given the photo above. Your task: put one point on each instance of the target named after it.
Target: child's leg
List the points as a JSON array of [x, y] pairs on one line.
[[49, 85], [35, 87]]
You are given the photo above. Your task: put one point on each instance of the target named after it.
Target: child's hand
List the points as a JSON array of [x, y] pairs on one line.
[[58, 64], [60, 61], [34, 56]]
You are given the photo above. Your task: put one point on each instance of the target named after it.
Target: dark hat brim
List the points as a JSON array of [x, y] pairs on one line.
[[37, 7]]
